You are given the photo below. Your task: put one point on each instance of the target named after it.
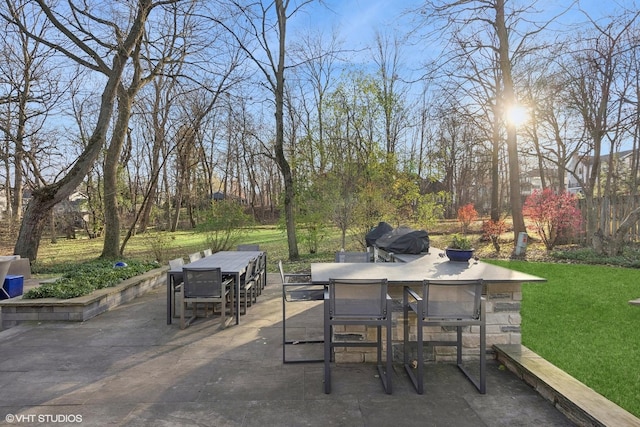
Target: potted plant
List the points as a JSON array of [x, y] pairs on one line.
[[459, 248]]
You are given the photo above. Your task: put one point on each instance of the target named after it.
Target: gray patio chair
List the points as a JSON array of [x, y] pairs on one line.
[[248, 284], [358, 302], [297, 287], [353, 257], [175, 264], [450, 304], [261, 266], [195, 256], [204, 285], [261, 273], [248, 247]]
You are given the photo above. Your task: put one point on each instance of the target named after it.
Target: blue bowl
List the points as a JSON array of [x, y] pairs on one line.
[[461, 255]]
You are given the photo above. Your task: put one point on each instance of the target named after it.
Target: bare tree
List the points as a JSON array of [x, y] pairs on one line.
[[79, 40], [509, 101], [255, 25], [155, 124], [487, 25], [32, 92], [165, 48], [388, 59], [315, 77], [594, 71]]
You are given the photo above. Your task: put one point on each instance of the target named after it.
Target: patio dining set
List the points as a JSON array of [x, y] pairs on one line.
[[426, 301], [230, 280], [423, 303]]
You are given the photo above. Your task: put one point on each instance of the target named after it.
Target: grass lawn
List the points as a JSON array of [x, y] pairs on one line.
[[52, 256], [580, 321]]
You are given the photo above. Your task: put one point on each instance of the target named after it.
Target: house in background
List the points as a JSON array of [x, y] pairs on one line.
[[579, 169], [531, 180]]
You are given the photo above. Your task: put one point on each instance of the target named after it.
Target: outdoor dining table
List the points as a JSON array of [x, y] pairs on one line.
[[231, 263], [414, 269]]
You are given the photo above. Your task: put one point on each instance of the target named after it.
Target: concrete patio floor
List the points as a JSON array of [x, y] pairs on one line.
[[127, 367]]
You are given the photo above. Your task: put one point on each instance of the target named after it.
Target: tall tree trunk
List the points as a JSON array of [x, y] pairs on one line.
[[111, 246], [158, 140], [515, 196], [149, 201], [7, 186], [176, 215], [495, 171], [18, 179], [283, 164]]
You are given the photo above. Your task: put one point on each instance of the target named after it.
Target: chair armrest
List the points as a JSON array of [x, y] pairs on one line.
[[413, 306], [302, 292], [412, 293], [299, 284], [296, 275]]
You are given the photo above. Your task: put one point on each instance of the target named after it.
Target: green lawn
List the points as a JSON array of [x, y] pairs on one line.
[[52, 257], [580, 321]]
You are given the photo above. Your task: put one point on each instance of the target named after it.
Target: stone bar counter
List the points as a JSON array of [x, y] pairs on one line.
[[502, 301]]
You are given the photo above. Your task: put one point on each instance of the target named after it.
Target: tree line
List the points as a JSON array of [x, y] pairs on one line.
[[149, 109]]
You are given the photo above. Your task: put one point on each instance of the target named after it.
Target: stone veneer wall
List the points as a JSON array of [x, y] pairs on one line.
[[502, 308], [15, 311]]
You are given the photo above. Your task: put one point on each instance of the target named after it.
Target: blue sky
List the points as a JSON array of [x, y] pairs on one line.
[[357, 20]]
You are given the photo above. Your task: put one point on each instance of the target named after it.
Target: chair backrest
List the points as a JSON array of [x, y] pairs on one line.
[[281, 271], [452, 300], [353, 257], [358, 298], [175, 264], [20, 267], [251, 270], [249, 247], [207, 252], [202, 282], [261, 264], [195, 256]]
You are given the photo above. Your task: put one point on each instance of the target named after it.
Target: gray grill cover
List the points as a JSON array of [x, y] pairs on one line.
[[376, 232], [404, 240]]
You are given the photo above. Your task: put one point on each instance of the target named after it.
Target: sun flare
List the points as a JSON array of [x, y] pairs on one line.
[[517, 115]]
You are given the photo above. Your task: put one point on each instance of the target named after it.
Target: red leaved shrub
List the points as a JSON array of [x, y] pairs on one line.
[[554, 216]]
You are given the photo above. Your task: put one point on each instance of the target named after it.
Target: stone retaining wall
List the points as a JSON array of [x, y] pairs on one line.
[[15, 311]]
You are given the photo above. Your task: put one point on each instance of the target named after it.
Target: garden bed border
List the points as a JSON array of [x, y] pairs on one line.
[[18, 310]]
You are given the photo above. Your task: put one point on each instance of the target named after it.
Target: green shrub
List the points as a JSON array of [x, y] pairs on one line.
[[224, 225], [460, 242], [311, 234], [630, 257], [85, 278], [159, 243]]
